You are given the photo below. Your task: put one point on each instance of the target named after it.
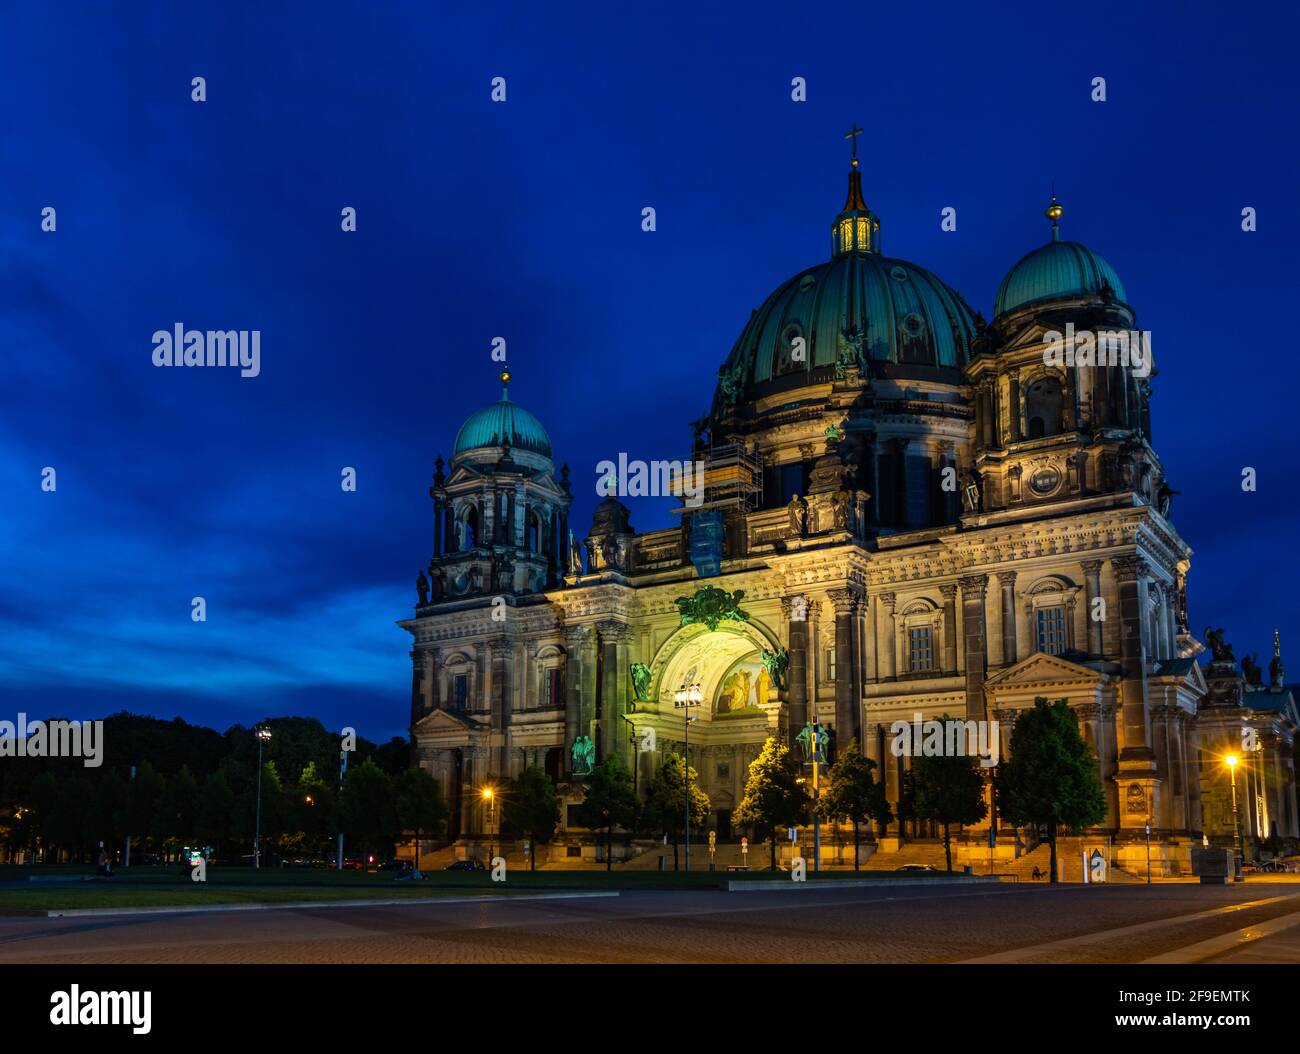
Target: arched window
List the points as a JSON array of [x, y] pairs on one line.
[[535, 534], [467, 530], [1043, 402]]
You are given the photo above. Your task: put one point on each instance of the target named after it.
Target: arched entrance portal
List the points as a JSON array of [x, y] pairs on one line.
[[741, 706]]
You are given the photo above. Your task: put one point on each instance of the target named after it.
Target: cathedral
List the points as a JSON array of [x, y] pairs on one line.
[[905, 512]]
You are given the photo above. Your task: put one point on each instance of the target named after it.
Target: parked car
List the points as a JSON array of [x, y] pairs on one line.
[[917, 867], [395, 865], [465, 865]]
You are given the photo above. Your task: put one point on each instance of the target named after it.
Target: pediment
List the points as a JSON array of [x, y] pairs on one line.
[[1044, 670], [442, 721]]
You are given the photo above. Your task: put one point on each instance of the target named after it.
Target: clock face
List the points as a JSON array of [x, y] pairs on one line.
[[1045, 480]]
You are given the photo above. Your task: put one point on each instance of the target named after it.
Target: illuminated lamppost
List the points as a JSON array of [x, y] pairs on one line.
[[686, 696], [489, 797], [1238, 849], [263, 736]]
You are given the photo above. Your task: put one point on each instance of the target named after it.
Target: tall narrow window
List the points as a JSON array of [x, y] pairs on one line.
[[920, 649], [1051, 630], [830, 667], [460, 691]]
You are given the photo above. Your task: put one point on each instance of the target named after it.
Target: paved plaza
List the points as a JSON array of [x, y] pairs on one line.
[[1174, 922]]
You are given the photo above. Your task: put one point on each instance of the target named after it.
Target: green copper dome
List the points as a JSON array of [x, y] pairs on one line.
[[858, 306], [503, 422], [1056, 271]]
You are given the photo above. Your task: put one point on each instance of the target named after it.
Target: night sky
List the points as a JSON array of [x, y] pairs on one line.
[[523, 220]]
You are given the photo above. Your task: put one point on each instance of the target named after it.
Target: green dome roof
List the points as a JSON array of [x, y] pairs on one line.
[[901, 313], [1056, 271], [501, 422]]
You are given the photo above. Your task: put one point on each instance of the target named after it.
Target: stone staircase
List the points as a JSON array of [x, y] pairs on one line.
[[921, 852]]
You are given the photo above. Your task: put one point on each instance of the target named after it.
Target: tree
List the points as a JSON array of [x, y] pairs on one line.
[[178, 807], [948, 788], [367, 809], [773, 797], [852, 793], [610, 802], [531, 809], [314, 802], [665, 805], [143, 799], [1050, 776], [215, 805], [420, 807]]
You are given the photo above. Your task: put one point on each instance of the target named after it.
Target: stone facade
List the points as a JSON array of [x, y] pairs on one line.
[[935, 522]]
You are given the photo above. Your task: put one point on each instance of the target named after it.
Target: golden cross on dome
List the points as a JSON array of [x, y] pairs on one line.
[[852, 136]]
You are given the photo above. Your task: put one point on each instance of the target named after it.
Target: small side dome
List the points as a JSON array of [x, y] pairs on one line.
[[503, 422], [1056, 271]]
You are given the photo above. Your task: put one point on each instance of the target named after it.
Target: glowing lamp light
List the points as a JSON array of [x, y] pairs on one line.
[[1231, 761]]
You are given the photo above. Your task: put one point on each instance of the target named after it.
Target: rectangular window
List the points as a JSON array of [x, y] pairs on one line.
[[551, 687], [460, 691], [830, 669], [1051, 630], [920, 650]]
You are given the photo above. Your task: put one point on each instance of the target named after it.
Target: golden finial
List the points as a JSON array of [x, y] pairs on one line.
[[505, 376], [1054, 213]]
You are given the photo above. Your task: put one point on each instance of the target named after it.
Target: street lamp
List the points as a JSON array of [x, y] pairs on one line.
[[263, 736], [686, 696], [1239, 850], [489, 798]]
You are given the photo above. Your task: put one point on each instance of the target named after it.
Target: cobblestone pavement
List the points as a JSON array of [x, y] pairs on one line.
[[901, 924]]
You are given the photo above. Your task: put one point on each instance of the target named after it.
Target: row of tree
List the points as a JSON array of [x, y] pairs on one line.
[[1050, 780], [170, 784]]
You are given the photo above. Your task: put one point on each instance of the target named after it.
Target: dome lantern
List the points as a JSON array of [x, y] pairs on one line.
[[856, 228]]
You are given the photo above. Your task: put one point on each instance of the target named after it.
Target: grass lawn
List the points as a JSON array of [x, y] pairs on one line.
[[165, 887]]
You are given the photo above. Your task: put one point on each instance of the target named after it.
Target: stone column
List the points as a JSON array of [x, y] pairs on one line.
[[795, 610], [581, 645], [434, 657], [1130, 573], [1007, 580], [502, 655], [614, 637], [1179, 810], [1013, 386], [1092, 576], [973, 589], [437, 525], [419, 685], [949, 591], [885, 636], [847, 706], [1171, 617]]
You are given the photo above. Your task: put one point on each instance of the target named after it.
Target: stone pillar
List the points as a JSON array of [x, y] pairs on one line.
[[1130, 573], [418, 686], [847, 704], [949, 591], [1179, 777], [614, 637], [1191, 753], [437, 525], [1092, 576], [885, 636], [1013, 386], [1007, 580], [500, 663], [795, 610], [434, 657], [1139, 781], [581, 644], [1171, 617], [973, 589]]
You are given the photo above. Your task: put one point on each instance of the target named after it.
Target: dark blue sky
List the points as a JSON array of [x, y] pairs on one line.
[[523, 220]]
